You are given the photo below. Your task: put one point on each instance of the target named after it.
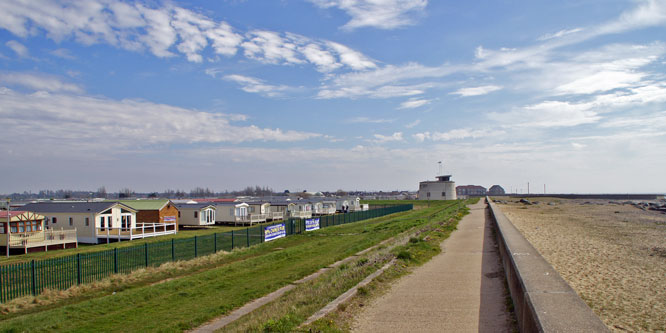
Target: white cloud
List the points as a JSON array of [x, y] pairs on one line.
[[251, 84], [63, 53], [601, 81], [413, 123], [18, 48], [548, 114], [476, 91], [413, 103], [366, 120], [379, 138], [38, 82], [559, 34], [456, 134], [384, 14], [95, 124]]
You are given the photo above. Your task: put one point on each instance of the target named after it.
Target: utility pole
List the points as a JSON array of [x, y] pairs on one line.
[[9, 228], [528, 188], [544, 188]]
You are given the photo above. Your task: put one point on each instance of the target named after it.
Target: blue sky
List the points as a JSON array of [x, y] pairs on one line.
[[333, 94]]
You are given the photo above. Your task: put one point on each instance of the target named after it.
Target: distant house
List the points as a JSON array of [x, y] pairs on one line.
[[196, 214], [471, 190], [24, 231], [96, 222], [154, 211], [496, 190]]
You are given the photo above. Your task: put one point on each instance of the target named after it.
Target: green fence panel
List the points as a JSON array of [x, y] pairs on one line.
[[159, 253], [205, 245], [184, 248], [224, 242]]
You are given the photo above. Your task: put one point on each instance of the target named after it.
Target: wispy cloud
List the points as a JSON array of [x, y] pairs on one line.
[[379, 138], [456, 134], [560, 33], [38, 82], [476, 91], [414, 103], [254, 85], [413, 123], [94, 123], [366, 120], [386, 14], [18, 48]]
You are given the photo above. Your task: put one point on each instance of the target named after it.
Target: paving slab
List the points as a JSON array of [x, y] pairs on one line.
[[459, 290]]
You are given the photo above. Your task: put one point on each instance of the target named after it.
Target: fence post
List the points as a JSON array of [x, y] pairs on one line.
[[34, 279], [78, 268], [215, 242], [145, 247], [115, 260], [195, 246], [232, 240], [247, 236], [173, 250]]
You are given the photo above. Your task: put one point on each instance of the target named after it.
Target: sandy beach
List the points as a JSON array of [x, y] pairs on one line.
[[612, 254]]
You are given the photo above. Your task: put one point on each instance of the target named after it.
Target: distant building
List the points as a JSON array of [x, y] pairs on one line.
[[496, 190], [441, 189], [471, 190]]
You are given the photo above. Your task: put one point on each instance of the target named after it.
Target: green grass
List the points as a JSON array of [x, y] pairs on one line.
[[187, 301]]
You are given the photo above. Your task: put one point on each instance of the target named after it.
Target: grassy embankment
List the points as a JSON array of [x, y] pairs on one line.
[[171, 298]]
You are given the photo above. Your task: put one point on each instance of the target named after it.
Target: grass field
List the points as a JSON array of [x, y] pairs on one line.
[[174, 299]]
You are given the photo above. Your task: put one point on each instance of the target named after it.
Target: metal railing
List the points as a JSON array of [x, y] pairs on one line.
[[142, 230], [41, 238]]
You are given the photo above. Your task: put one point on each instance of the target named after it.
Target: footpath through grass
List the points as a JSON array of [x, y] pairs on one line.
[[296, 306], [187, 301]]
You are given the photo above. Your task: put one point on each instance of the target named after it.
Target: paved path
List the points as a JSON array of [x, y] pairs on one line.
[[459, 290]]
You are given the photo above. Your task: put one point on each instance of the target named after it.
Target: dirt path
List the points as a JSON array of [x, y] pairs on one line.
[[459, 290]]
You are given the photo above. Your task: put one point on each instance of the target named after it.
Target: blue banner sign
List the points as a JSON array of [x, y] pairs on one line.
[[311, 224], [275, 231]]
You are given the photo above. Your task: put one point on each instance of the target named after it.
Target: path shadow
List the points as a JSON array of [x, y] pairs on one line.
[[494, 314]]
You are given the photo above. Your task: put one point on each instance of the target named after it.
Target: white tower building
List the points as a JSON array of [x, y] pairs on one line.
[[441, 189]]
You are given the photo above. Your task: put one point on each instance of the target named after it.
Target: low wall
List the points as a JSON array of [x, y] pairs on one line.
[[542, 300]]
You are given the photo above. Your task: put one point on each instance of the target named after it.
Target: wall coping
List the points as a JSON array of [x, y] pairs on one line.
[[543, 300]]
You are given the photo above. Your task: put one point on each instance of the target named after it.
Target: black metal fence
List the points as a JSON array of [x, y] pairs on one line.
[[31, 278]]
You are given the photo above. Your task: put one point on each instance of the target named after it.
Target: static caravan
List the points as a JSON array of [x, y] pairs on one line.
[[154, 211], [322, 206], [265, 208], [342, 205], [281, 208], [302, 209], [23, 232], [96, 222], [236, 213], [354, 204], [196, 214]]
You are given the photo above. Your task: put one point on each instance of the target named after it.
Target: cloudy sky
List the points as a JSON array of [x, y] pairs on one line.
[[329, 94]]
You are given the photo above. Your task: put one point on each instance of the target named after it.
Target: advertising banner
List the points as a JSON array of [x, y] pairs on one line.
[[311, 224], [275, 231], [169, 219]]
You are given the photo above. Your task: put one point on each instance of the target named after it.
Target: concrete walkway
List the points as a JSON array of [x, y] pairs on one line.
[[459, 290]]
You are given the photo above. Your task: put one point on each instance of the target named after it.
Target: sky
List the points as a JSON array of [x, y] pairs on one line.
[[323, 95]]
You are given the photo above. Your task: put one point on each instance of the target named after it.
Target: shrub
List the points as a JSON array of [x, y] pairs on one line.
[[404, 255]]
